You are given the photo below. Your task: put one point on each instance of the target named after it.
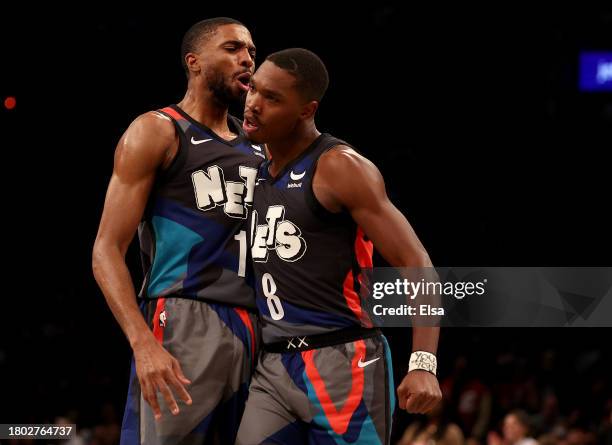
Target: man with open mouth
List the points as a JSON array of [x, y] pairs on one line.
[[325, 374], [184, 176]]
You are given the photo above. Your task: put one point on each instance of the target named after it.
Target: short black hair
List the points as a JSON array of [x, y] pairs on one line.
[[308, 69], [201, 31]]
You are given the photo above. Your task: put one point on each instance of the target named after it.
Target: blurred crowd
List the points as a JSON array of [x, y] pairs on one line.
[[520, 400], [500, 387]]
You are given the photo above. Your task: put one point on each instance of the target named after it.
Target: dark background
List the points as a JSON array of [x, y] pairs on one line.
[[472, 114]]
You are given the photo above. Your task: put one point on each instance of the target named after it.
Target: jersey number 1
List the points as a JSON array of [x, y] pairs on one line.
[[241, 238]]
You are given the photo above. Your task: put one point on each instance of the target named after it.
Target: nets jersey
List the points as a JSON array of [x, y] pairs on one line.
[[308, 261], [192, 238]]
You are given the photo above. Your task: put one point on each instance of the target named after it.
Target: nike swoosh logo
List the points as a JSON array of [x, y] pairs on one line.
[[201, 141], [256, 147], [295, 177], [364, 364]]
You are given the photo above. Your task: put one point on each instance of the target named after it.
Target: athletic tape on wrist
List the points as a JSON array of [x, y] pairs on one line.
[[423, 360]]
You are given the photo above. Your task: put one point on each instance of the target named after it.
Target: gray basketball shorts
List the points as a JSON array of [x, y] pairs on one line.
[[216, 346], [338, 394]]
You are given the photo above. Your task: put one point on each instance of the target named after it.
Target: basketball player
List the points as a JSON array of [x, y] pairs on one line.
[[186, 173], [325, 375]]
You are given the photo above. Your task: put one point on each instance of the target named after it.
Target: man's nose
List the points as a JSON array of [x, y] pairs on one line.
[[246, 59], [252, 103], [254, 108]]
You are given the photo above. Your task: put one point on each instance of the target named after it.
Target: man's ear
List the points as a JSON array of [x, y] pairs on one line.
[[193, 63], [309, 110]]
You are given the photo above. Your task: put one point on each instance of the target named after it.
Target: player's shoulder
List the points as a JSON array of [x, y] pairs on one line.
[[156, 122], [149, 136], [343, 157], [351, 176], [152, 128]]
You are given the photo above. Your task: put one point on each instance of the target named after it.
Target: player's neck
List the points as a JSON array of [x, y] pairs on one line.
[[207, 110], [285, 151]]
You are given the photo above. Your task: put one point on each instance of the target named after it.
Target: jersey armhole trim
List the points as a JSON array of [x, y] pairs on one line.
[[181, 153], [311, 199]]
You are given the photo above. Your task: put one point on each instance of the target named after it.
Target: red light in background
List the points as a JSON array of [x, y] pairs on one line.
[[10, 103]]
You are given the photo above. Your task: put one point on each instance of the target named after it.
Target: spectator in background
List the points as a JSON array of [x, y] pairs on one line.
[[108, 431], [77, 437], [471, 398], [548, 419], [578, 436], [516, 431], [435, 429]]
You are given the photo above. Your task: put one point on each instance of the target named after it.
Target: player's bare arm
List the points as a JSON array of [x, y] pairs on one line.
[[346, 180], [148, 145]]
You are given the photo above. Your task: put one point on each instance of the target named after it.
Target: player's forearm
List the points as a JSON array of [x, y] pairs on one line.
[[113, 277], [408, 249], [425, 339], [406, 253], [418, 266], [395, 239]]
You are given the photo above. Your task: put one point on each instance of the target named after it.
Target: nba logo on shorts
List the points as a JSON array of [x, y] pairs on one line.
[[162, 319]]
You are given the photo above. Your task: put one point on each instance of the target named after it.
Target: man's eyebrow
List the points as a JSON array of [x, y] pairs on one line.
[[266, 90], [240, 43], [273, 93]]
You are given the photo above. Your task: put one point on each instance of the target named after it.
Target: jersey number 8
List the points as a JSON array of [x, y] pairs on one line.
[[274, 303]]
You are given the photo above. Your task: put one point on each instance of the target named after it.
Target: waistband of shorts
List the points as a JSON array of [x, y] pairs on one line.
[[306, 342], [208, 301]]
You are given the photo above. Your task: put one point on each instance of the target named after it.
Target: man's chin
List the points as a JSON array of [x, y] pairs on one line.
[[231, 96], [238, 94]]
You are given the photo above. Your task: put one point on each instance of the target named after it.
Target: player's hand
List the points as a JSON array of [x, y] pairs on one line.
[[419, 392], [157, 370]]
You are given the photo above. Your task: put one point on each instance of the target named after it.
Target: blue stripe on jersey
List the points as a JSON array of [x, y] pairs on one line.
[[246, 148], [299, 315], [205, 246], [297, 168], [173, 243], [194, 220]]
